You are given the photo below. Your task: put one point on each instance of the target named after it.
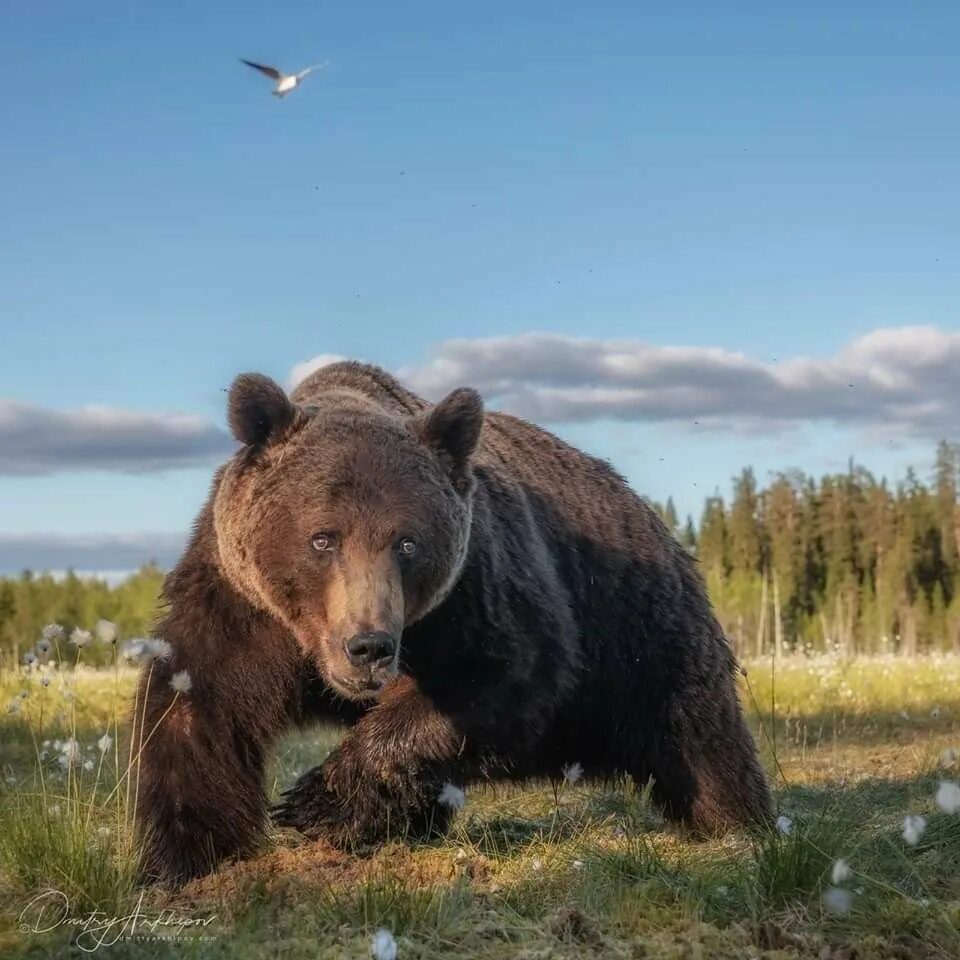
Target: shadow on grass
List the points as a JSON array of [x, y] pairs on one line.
[[501, 837], [865, 798], [848, 727]]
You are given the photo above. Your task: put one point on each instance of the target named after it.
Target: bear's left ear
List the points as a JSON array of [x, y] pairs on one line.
[[257, 409], [452, 427]]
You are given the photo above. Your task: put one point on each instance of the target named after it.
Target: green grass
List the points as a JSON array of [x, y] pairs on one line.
[[529, 873]]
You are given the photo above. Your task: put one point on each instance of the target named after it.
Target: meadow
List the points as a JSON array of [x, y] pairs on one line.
[[555, 870]]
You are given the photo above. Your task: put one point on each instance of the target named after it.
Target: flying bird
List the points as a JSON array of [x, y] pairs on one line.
[[285, 81]]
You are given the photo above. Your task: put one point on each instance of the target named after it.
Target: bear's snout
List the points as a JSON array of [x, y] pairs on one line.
[[368, 660], [374, 648]]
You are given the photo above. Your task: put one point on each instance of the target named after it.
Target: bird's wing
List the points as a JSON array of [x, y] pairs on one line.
[[316, 66], [269, 71]]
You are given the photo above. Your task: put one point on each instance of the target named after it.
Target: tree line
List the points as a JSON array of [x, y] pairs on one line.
[[31, 601], [844, 562]]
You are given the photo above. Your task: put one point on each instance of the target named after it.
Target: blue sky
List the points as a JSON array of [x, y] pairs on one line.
[[771, 184]]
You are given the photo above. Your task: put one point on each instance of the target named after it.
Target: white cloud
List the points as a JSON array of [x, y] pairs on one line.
[[38, 440], [104, 554], [303, 370], [902, 380], [892, 383]]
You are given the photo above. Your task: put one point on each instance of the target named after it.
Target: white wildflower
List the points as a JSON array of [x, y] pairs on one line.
[[105, 743], [573, 772], [70, 748], [913, 827], [44, 681], [43, 647], [452, 796], [784, 825], [837, 900], [133, 650], [140, 650], [383, 946], [948, 796], [106, 631], [80, 638], [52, 632], [181, 682], [158, 649], [88, 765], [841, 872], [935, 713], [30, 660], [69, 753], [577, 864], [537, 865]]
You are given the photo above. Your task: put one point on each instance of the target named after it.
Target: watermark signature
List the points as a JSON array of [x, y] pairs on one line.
[[50, 910]]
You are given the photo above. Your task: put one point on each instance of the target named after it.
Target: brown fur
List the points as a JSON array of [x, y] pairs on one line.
[[545, 616]]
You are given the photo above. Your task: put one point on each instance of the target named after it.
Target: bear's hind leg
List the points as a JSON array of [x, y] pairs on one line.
[[710, 779]]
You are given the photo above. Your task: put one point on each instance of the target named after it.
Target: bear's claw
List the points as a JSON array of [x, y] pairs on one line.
[[366, 817], [307, 805]]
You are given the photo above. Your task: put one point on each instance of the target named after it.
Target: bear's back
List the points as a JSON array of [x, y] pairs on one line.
[[571, 495], [579, 497]]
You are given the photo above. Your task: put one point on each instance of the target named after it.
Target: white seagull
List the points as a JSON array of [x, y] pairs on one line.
[[285, 81]]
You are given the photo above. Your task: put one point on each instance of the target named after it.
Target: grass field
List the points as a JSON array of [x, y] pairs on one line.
[[544, 872]]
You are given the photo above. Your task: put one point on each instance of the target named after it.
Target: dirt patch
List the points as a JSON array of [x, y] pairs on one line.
[[572, 925], [273, 873]]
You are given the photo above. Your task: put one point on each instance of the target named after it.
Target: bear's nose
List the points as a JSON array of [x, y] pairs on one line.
[[370, 648]]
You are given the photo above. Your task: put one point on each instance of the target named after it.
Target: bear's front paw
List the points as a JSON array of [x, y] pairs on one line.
[[310, 807], [342, 804]]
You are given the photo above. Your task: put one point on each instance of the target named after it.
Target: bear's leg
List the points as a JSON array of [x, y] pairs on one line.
[[199, 753], [200, 796], [386, 778], [704, 765]]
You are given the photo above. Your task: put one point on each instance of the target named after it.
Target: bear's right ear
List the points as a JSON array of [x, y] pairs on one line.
[[257, 409]]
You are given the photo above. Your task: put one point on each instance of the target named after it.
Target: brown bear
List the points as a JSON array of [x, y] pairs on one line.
[[476, 598]]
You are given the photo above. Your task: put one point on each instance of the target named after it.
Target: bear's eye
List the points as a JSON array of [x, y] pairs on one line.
[[323, 542], [407, 547]]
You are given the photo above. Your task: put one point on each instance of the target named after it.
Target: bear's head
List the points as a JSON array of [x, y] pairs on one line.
[[344, 521]]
